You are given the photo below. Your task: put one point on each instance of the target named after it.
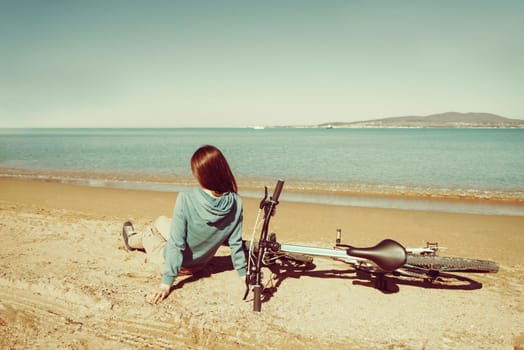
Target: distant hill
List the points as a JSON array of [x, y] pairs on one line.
[[442, 120]]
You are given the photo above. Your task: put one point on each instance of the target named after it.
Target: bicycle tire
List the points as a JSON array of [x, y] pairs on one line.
[[450, 264]]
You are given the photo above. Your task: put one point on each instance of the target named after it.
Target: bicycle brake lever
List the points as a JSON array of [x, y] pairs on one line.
[[263, 201]]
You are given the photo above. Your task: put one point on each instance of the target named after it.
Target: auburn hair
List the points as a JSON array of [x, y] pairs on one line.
[[212, 171]]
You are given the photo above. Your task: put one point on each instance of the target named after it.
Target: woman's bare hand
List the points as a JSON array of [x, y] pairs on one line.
[[158, 294]]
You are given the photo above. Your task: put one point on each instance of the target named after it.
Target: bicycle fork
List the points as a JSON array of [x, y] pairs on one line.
[[255, 276]]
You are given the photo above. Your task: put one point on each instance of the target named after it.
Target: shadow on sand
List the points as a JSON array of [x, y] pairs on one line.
[[217, 265], [386, 283]]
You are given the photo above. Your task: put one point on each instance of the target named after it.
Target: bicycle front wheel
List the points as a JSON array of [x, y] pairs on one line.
[[450, 264]]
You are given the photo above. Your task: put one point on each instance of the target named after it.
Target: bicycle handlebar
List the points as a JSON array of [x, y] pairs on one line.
[[278, 189]]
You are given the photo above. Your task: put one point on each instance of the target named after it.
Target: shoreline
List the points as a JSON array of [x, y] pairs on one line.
[[368, 225], [387, 197]]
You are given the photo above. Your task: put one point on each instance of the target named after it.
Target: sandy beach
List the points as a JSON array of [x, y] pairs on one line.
[[66, 281]]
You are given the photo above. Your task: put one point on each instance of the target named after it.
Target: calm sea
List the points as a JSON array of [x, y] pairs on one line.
[[413, 163]]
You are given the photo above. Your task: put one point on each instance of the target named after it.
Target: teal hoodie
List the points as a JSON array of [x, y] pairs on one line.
[[200, 225]]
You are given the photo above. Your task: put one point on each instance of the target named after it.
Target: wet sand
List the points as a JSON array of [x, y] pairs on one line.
[[67, 282]]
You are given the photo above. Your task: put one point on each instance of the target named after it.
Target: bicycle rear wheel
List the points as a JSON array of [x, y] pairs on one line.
[[450, 264]]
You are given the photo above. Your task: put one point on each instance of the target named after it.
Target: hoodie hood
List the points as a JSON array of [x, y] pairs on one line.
[[211, 209]]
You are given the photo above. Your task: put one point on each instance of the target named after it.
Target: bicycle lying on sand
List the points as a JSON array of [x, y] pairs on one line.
[[386, 259]]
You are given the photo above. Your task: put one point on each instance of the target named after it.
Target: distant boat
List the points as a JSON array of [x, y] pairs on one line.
[[258, 127]]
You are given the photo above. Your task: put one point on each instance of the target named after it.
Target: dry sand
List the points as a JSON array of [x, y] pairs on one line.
[[66, 281]]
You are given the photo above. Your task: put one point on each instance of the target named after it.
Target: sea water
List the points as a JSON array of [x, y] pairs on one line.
[[320, 165]]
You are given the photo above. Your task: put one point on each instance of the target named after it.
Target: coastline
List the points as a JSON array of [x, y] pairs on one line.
[[125, 204], [388, 197]]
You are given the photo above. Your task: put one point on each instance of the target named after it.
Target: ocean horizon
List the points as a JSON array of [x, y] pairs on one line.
[[454, 170]]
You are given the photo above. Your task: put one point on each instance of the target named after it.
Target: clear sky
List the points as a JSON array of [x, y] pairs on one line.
[[242, 63]]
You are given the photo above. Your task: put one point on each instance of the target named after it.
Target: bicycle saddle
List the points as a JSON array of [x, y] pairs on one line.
[[389, 255]]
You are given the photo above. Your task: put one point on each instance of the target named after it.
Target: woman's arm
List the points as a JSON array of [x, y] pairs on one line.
[[238, 256], [176, 244], [173, 253]]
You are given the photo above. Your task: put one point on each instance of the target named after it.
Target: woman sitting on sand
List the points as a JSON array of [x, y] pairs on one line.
[[204, 218]]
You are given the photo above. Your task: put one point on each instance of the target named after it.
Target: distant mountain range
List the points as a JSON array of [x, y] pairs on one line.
[[442, 120]]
